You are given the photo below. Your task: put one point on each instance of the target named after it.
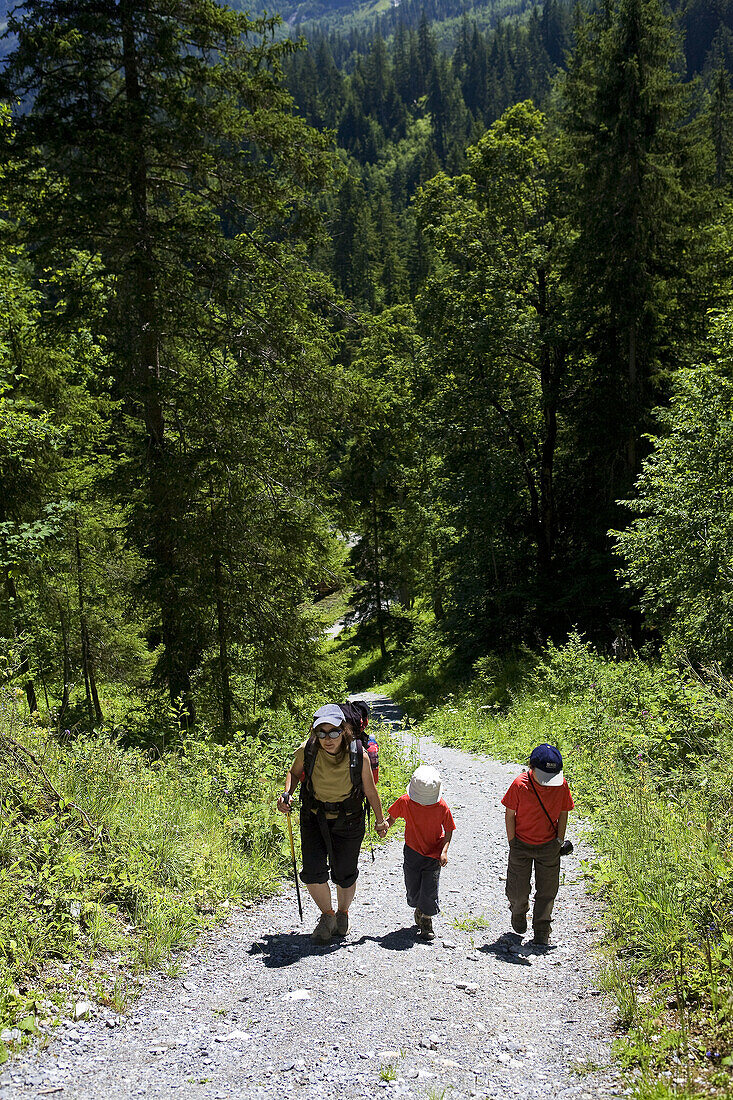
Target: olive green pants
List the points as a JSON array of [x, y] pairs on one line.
[[546, 861]]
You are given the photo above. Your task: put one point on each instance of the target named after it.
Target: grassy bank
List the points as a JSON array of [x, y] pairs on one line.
[[649, 755], [111, 859], [648, 748]]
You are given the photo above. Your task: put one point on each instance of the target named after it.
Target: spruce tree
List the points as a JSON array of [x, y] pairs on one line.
[[170, 151]]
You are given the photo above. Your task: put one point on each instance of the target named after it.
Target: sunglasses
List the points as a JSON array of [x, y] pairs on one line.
[[333, 734]]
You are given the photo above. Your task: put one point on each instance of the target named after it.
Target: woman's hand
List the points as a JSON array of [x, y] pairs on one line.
[[283, 802], [382, 829]]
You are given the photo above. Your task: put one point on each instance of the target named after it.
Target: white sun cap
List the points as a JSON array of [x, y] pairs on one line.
[[330, 715], [424, 786]]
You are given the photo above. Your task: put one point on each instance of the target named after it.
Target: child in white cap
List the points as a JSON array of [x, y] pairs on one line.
[[429, 827]]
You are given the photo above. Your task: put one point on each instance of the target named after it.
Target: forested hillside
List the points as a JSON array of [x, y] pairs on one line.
[[531, 230], [430, 307], [425, 323]]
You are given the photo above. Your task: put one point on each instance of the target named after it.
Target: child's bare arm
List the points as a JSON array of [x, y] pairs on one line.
[[562, 824], [510, 820], [444, 853]]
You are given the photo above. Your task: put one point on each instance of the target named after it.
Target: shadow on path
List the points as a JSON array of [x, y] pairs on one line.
[[510, 949], [286, 948]]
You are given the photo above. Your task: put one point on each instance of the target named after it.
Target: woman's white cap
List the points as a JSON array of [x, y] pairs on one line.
[[330, 715], [424, 786]]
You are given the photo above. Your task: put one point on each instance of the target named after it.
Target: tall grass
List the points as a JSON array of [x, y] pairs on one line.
[[111, 860], [648, 750]]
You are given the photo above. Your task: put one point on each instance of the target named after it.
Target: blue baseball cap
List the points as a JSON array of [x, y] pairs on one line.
[[546, 763], [330, 715]]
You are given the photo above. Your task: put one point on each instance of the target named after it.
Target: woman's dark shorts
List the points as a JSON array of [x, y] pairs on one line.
[[346, 839]]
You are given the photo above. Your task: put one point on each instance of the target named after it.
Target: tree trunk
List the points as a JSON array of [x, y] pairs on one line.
[[90, 684], [221, 624], [378, 578], [25, 665], [67, 667], [552, 362], [438, 607], [633, 403]]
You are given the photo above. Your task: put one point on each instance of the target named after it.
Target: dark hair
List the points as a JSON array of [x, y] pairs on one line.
[[348, 735]]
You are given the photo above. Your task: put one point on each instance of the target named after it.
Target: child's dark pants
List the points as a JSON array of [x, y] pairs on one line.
[[422, 874], [546, 860]]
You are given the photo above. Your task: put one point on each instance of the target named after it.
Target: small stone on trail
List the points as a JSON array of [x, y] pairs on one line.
[[297, 995], [449, 944], [81, 1009]]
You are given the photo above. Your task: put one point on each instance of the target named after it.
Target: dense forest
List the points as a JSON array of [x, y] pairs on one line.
[[532, 229], [463, 311]]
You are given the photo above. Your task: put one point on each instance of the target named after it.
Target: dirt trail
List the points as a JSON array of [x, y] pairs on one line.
[[260, 1012]]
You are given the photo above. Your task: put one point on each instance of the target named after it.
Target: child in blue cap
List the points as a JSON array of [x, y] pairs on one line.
[[536, 816]]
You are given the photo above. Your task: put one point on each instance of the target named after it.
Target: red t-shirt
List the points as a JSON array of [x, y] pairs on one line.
[[532, 826], [425, 826]]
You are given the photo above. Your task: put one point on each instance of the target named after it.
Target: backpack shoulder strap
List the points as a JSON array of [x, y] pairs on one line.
[[356, 761], [544, 809], [309, 760]]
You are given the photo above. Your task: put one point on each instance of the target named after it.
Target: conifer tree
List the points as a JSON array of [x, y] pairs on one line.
[[623, 105], [171, 152]]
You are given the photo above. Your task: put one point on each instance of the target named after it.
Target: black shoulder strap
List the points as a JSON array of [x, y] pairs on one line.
[[309, 760], [537, 793], [356, 762]]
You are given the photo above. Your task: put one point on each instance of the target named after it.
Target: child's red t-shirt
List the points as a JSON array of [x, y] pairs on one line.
[[425, 826], [532, 826]]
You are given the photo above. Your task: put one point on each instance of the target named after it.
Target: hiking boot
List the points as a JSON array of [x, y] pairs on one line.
[[426, 928], [342, 924], [541, 937], [519, 923], [418, 917], [324, 929]]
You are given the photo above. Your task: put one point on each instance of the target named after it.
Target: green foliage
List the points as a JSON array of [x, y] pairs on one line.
[[170, 235], [113, 858], [678, 551], [494, 308], [647, 750]]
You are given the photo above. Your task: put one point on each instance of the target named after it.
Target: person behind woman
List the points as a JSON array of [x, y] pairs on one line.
[[331, 815]]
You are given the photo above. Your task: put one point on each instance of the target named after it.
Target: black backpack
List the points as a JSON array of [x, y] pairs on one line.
[[351, 805], [357, 715]]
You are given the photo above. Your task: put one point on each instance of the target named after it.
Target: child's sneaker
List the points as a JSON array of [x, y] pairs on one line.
[[418, 917], [426, 928]]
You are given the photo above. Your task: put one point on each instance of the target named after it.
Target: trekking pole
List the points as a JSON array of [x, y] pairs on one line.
[[295, 866]]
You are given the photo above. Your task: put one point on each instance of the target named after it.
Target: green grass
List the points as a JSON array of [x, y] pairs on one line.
[[648, 751], [112, 861]]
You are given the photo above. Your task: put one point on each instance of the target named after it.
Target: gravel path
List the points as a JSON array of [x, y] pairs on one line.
[[260, 1012]]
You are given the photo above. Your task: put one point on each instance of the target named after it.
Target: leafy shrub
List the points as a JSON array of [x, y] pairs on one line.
[[648, 750], [106, 848]]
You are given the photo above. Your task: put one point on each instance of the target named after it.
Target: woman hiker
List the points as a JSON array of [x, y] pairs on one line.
[[337, 777]]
